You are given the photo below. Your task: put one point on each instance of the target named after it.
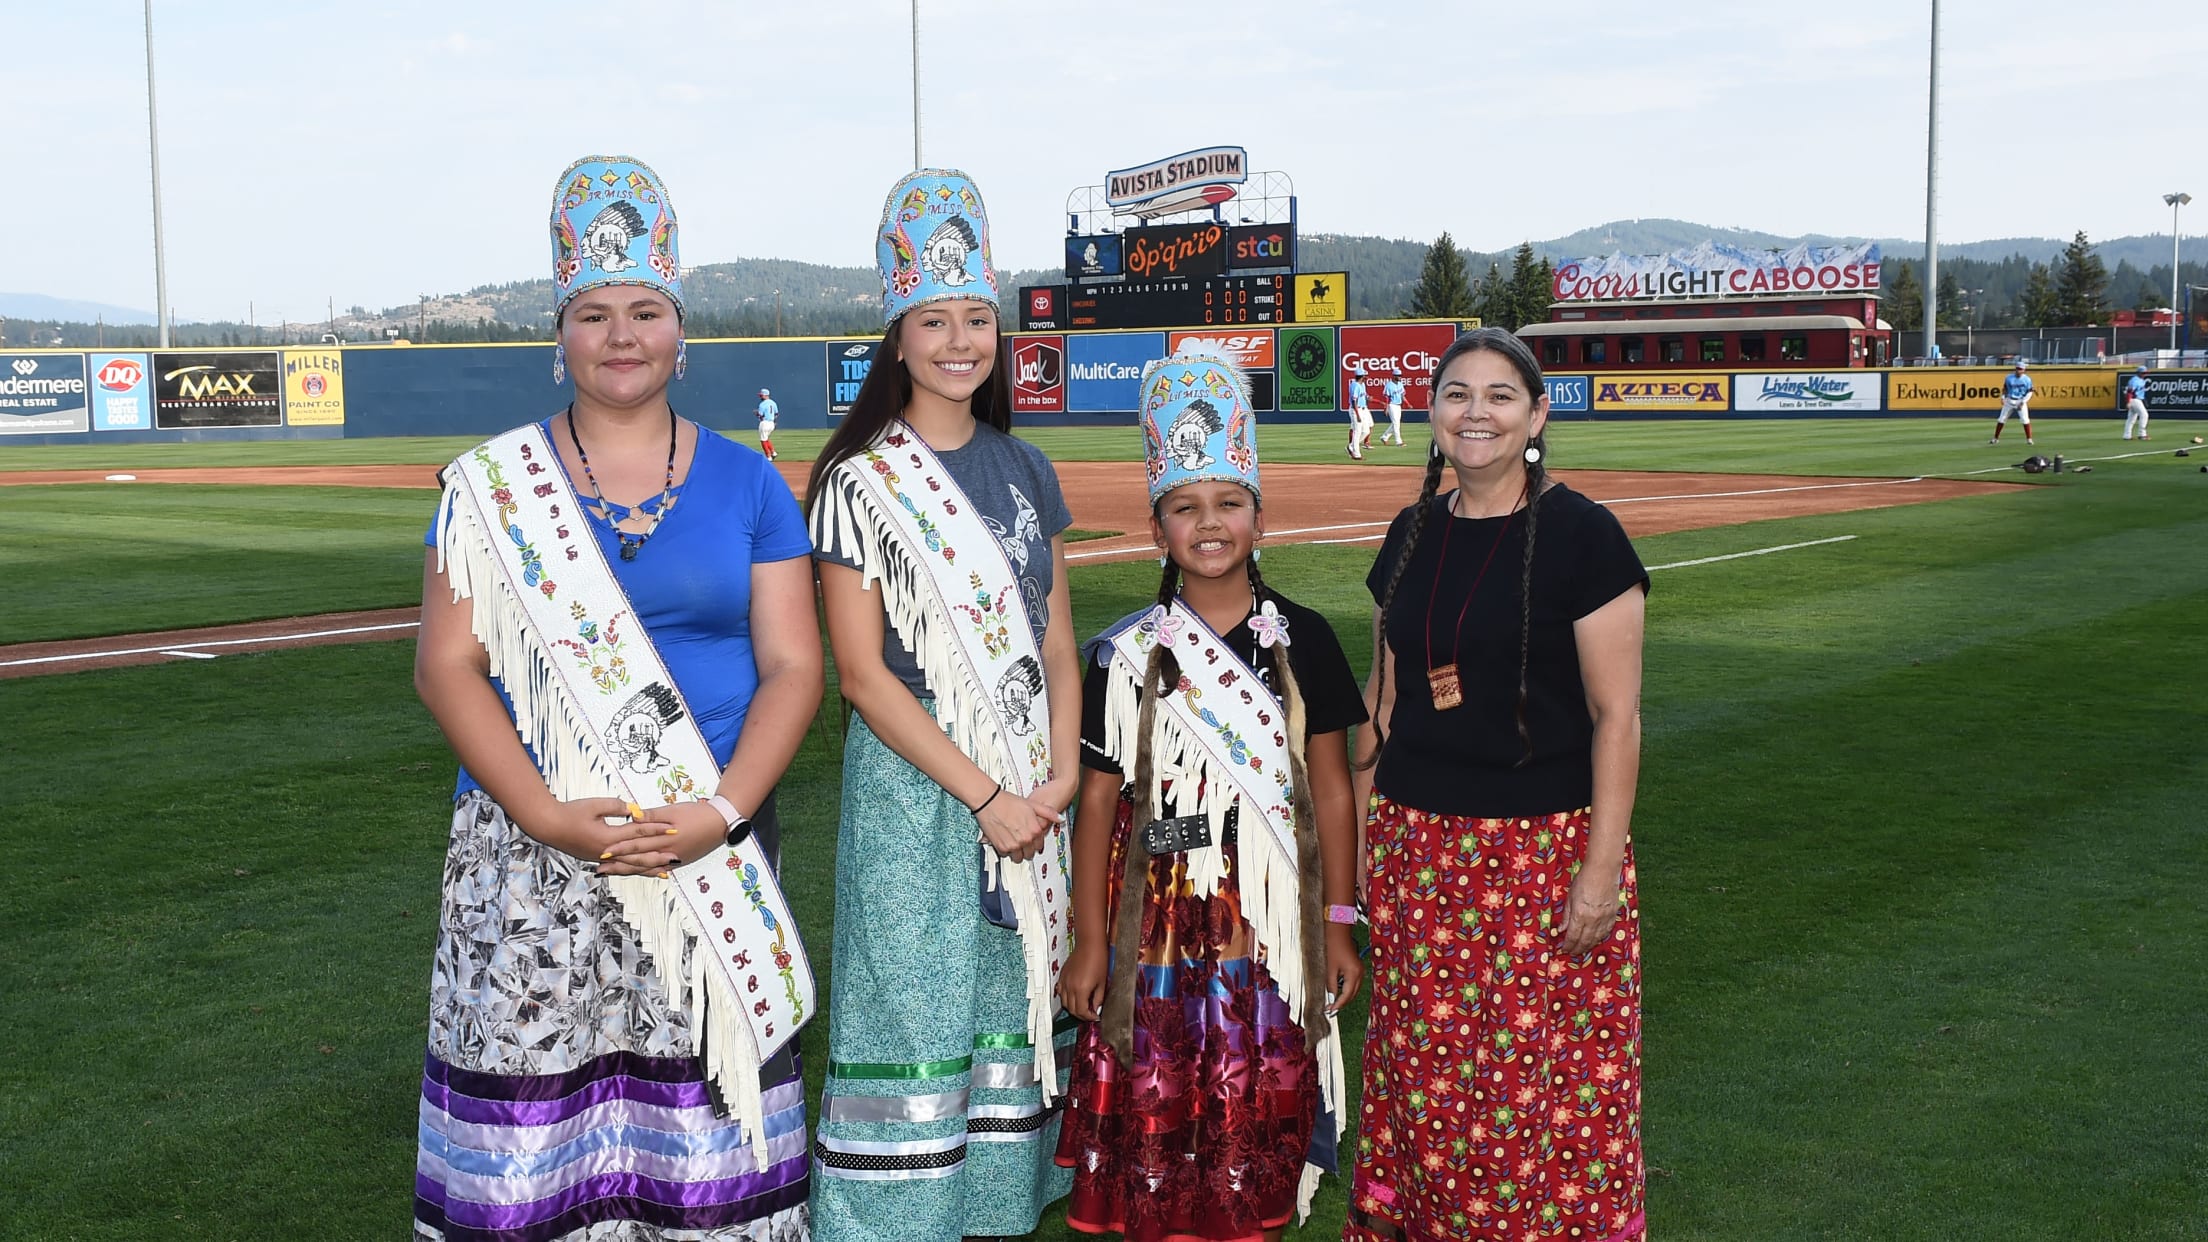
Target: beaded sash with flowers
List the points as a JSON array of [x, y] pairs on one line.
[[953, 599], [601, 713]]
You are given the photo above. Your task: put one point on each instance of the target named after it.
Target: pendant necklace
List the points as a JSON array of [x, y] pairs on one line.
[[1448, 688], [605, 509]]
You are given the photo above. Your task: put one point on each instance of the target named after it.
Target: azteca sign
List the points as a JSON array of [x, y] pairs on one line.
[[1712, 270], [1177, 182]]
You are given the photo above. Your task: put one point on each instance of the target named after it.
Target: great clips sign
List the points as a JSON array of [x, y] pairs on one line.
[[1711, 270], [1407, 352]]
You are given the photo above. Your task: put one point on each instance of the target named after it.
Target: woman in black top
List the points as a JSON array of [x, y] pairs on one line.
[[1502, 1061]]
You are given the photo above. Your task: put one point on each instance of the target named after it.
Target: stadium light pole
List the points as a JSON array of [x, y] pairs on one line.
[[916, 163], [1931, 199], [2175, 201], [153, 147]]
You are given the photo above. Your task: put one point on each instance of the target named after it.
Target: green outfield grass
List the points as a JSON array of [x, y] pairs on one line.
[[1918, 835], [1876, 446]]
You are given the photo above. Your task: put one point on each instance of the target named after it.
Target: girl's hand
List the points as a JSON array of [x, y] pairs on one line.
[[579, 829], [1590, 911], [1081, 984], [686, 832], [1058, 792], [1014, 826], [1345, 971]]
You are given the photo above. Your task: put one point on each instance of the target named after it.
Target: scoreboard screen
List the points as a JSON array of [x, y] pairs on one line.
[[1182, 302]]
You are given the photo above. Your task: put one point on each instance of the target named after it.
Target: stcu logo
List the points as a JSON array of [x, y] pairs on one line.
[[1041, 301], [25, 366], [1307, 359], [121, 375]]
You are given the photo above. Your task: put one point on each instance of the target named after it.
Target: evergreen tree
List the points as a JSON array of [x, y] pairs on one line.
[[1443, 290], [1903, 305], [1491, 298], [2037, 306], [1529, 292], [1953, 313], [2081, 287]]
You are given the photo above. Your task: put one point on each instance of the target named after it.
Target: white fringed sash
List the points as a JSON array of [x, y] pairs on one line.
[[954, 600], [1222, 731], [595, 703]]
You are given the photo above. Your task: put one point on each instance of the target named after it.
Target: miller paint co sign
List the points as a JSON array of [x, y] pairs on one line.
[[1181, 182]]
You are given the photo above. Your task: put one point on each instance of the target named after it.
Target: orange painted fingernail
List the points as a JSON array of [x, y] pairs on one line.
[[603, 857], [670, 832]]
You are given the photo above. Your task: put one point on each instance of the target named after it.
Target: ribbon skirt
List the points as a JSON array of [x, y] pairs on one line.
[[932, 1124], [1502, 1080], [562, 1096]]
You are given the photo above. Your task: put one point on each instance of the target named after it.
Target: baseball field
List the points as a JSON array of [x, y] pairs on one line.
[[1920, 827]]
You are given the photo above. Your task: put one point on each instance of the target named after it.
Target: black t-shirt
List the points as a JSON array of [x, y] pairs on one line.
[[1464, 761], [1332, 699]]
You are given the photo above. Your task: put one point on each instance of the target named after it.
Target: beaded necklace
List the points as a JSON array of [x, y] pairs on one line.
[[605, 509]]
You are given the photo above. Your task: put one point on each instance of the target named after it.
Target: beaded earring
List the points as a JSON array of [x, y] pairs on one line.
[[559, 364], [682, 360]]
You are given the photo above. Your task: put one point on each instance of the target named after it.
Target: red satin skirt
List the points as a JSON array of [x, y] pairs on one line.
[[1502, 1079]]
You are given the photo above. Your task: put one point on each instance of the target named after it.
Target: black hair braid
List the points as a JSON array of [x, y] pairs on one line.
[[1419, 514], [1162, 673], [1310, 863], [1536, 474]]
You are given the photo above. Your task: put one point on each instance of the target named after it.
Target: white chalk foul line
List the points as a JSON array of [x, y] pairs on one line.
[[173, 650], [1734, 556], [191, 655]]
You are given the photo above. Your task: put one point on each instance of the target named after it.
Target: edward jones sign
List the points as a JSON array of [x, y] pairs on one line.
[[1979, 389]]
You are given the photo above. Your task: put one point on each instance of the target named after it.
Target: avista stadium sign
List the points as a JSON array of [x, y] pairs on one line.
[[1715, 271]]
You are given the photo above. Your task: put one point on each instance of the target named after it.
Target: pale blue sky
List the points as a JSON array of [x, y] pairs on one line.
[[379, 149]]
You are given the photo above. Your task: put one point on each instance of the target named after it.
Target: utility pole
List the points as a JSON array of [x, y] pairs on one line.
[[916, 162], [153, 147], [1932, 198]]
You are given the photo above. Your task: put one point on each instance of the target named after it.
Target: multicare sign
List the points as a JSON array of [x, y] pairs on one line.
[[1816, 390], [1104, 370], [1711, 270], [1038, 374], [1177, 182], [1669, 390], [42, 394]]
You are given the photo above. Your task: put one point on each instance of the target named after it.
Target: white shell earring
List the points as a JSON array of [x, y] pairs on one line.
[[1533, 455]]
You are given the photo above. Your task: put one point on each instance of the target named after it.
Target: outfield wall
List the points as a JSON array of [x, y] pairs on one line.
[[1299, 373]]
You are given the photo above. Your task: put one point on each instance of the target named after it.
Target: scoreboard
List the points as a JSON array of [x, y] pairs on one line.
[[1170, 302]]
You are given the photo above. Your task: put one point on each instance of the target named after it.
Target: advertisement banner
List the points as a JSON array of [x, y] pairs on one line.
[[2177, 392], [1321, 297], [1094, 258], [1161, 179], [1712, 270], [122, 392], [43, 394], [1818, 390], [1671, 390], [1248, 348], [1043, 308], [1408, 351], [1038, 374], [848, 362], [1307, 370], [1104, 372], [217, 388], [1175, 250], [314, 388], [1979, 389], [1261, 245], [1568, 394]]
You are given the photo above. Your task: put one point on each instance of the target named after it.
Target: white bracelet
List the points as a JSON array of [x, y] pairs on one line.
[[729, 813]]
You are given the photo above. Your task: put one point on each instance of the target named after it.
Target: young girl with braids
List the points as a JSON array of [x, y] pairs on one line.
[[1214, 861], [1502, 1060]]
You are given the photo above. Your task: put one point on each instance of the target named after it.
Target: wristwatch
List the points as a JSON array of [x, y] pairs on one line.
[[739, 825]]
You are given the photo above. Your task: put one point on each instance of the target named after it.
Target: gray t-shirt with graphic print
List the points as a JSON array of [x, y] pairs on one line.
[[1015, 490]]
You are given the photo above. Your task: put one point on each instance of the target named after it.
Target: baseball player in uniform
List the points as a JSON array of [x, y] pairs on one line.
[[2016, 398], [768, 412], [1391, 391], [1360, 413], [2135, 402]]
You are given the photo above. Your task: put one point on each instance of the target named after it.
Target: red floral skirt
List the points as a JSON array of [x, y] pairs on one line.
[[1203, 1138], [1502, 1080]]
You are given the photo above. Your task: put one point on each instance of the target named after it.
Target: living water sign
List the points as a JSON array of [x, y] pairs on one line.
[[1811, 390]]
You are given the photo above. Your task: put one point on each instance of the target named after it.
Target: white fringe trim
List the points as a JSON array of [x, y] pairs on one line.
[[553, 725], [848, 520], [1270, 884]]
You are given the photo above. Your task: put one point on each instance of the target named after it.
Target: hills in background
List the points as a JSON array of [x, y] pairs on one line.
[[739, 298]]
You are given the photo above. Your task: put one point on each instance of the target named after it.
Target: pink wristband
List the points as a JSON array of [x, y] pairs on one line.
[[1342, 914]]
